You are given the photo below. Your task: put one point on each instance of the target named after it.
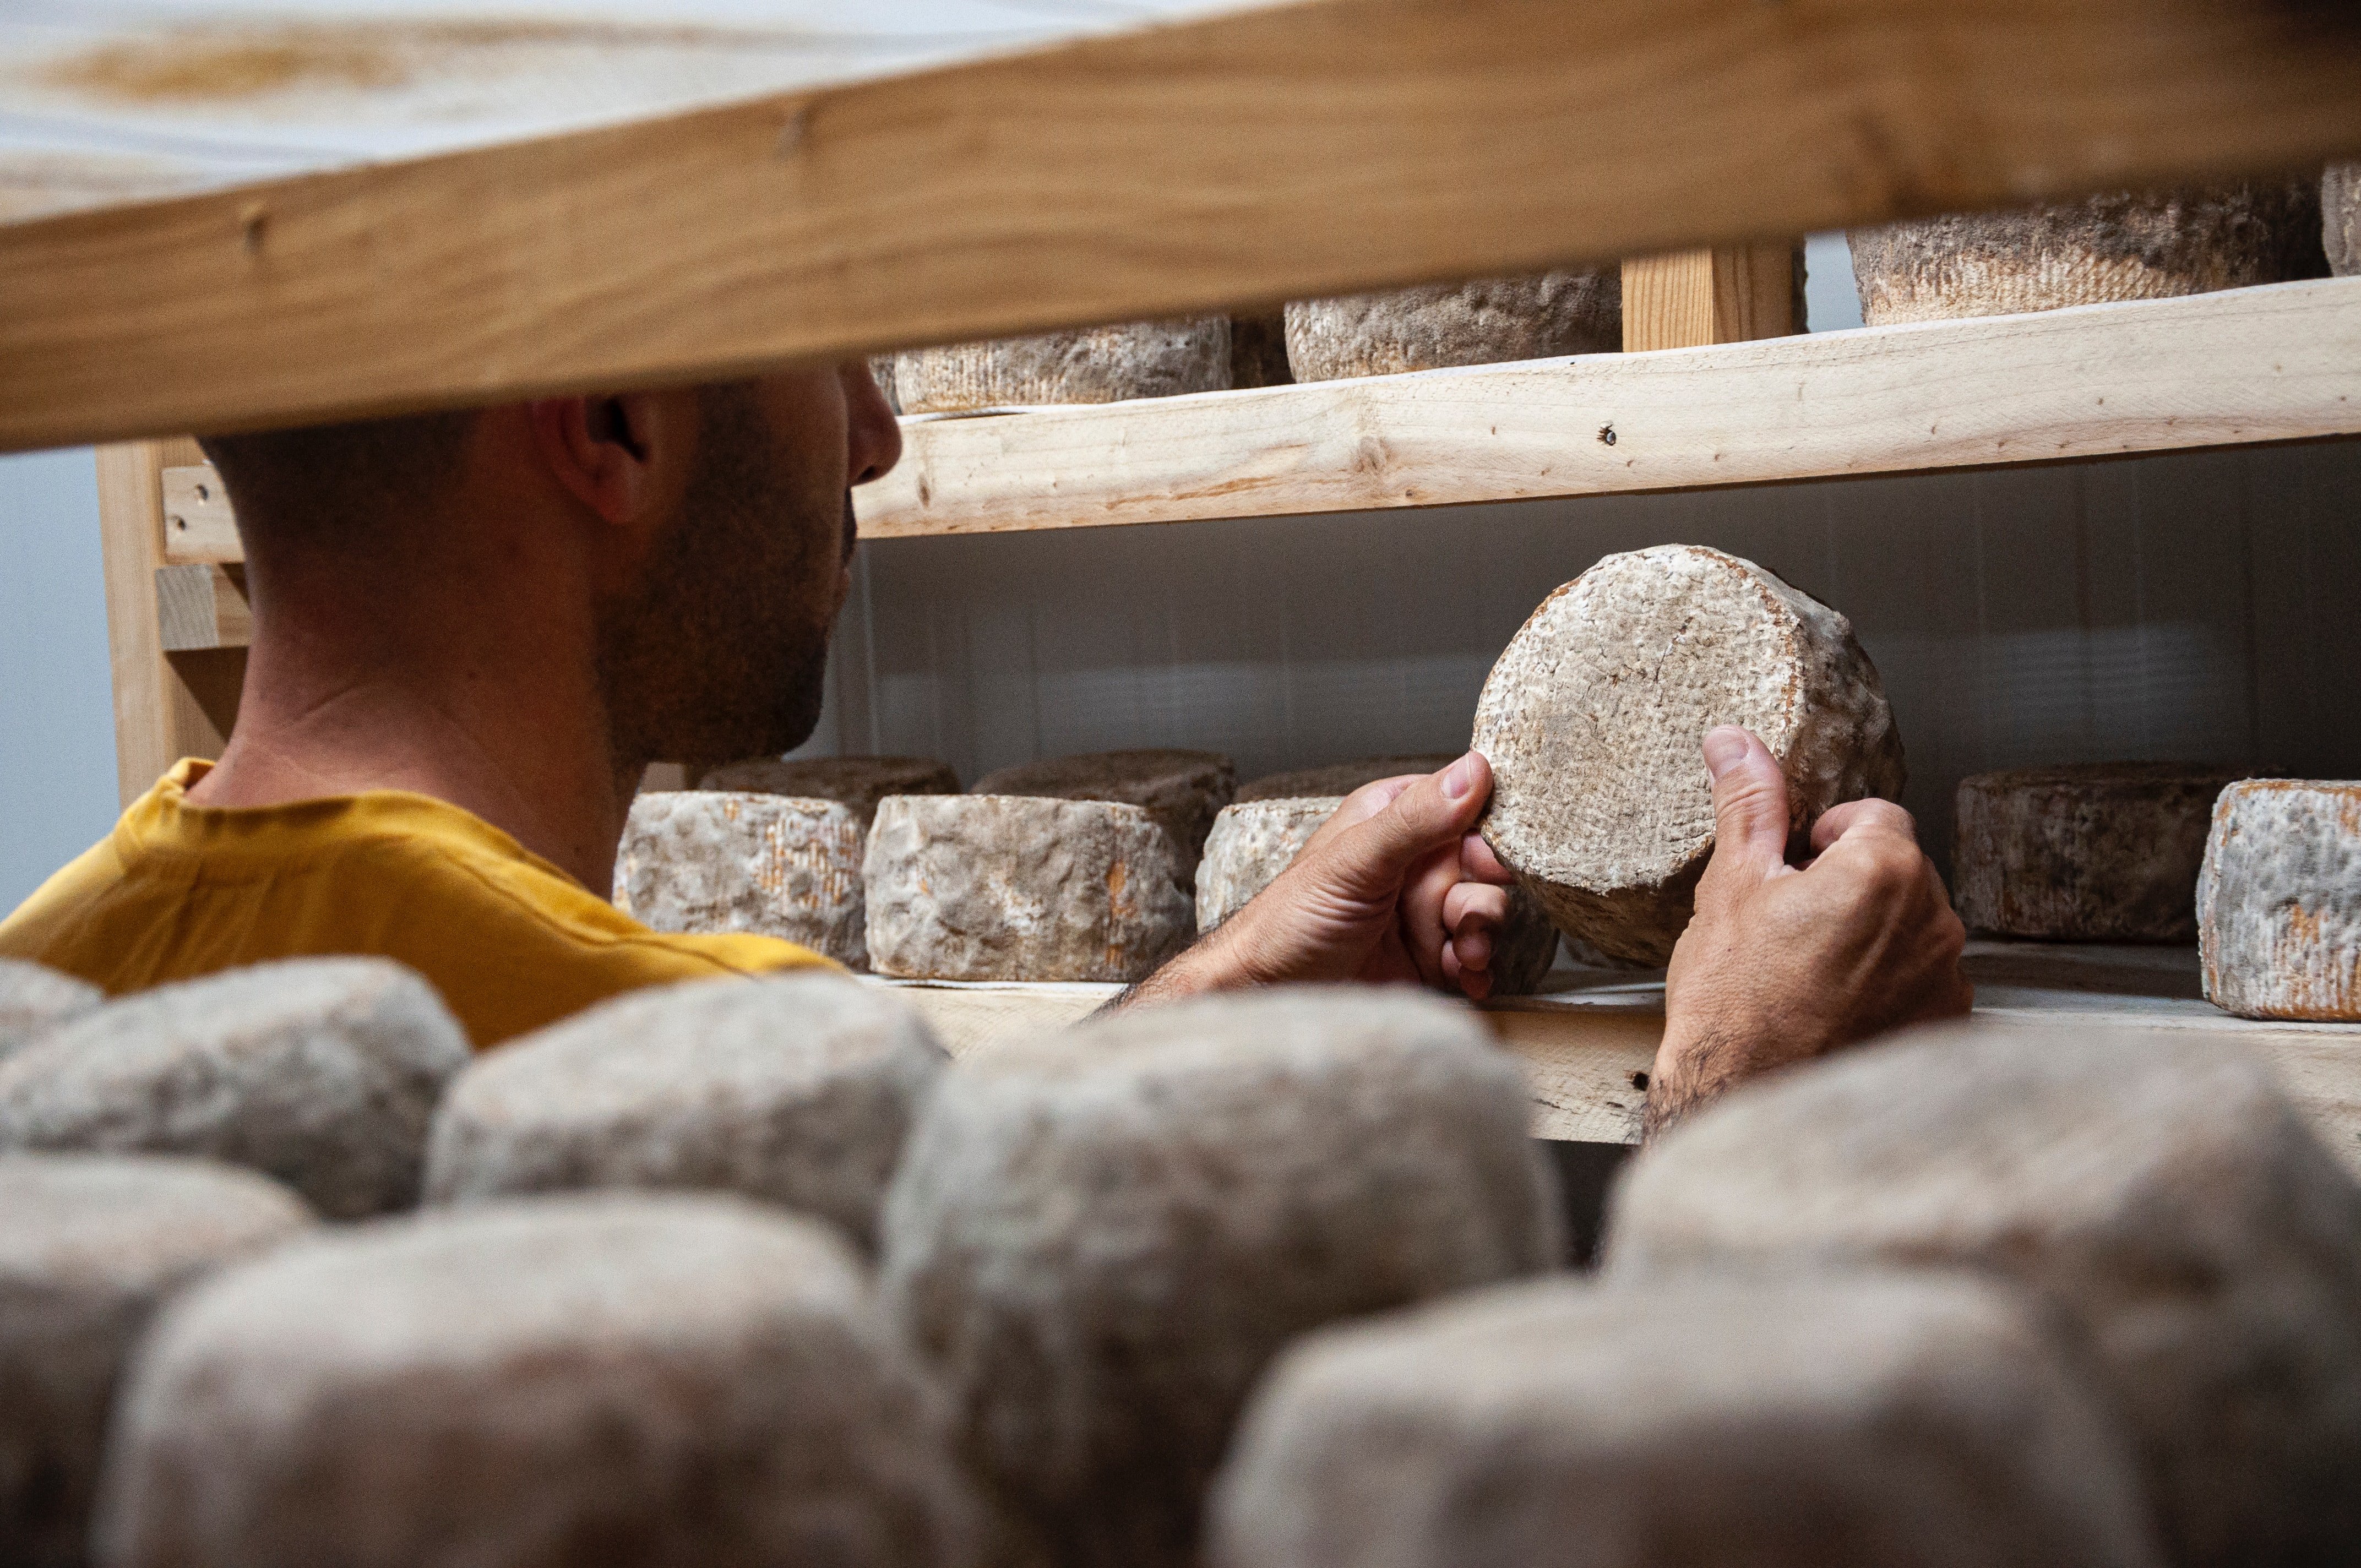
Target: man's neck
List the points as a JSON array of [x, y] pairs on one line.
[[485, 710]]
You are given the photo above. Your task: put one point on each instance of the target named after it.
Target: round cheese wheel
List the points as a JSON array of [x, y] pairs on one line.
[[1488, 322]]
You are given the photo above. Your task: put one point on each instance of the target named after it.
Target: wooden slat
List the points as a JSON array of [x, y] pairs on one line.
[[200, 606], [199, 525], [164, 709], [2276, 364], [1303, 149], [1689, 299], [2252, 365]]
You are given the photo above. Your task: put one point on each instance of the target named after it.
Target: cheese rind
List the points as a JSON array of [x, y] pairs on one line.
[[321, 1072], [1253, 841], [685, 1379], [2121, 245], [2152, 1188], [1107, 1234], [2278, 901], [2089, 852], [1929, 1420], [90, 1246], [1012, 887], [1593, 717], [1181, 789], [796, 1090], [775, 866], [1488, 322], [35, 998], [1099, 365], [858, 782], [1341, 778], [2340, 213]]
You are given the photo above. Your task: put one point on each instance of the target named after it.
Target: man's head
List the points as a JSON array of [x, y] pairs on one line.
[[699, 540]]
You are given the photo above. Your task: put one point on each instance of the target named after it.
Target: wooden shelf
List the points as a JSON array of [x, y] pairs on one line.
[[2281, 362], [1582, 1043], [1273, 152]]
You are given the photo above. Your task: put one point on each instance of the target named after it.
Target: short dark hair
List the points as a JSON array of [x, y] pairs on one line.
[[296, 482]]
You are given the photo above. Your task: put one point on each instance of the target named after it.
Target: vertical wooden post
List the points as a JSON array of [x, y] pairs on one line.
[[1687, 298], [167, 707]]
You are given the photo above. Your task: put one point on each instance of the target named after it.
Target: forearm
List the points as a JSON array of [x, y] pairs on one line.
[[1210, 963]]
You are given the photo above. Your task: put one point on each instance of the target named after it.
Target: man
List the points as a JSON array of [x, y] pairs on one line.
[[472, 632]]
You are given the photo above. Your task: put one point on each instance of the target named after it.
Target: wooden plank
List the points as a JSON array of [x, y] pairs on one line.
[[1231, 161], [1688, 298], [2248, 365], [2276, 364], [199, 525], [204, 605], [162, 713]]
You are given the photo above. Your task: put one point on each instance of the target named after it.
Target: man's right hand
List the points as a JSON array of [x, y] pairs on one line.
[[1782, 963]]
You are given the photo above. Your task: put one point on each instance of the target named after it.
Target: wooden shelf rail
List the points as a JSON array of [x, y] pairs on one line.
[[2281, 362], [1586, 1047], [1277, 152]]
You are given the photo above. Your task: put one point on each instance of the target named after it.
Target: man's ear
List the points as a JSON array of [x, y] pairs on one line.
[[611, 452]]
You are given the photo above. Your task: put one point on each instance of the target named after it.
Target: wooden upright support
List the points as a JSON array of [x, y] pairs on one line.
[[166, 704], [1688, 298]]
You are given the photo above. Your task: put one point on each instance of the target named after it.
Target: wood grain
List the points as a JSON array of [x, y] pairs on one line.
[[162, 712], [1050, 190], [1688, 298], [2273, 363], [2248, 366], [202, 605]]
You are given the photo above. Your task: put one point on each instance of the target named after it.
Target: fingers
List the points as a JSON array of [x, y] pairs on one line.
[[1425, 902], [1423, 816], [1873, 815], [1477, 862], [1750, 803], [1360, 806]]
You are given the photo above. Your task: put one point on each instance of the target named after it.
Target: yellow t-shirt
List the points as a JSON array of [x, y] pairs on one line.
[[512, 943]]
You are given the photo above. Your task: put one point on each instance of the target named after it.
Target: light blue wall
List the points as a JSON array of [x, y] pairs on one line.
[[57, 712]]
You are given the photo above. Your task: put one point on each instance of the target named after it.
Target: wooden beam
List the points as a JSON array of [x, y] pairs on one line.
[[2248, 365], [163, 710], [199, 525], [1689, 299], [1309, 148], [200, 606]]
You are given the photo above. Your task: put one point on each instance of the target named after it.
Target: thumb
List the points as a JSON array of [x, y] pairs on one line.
[[1750, 801], [1439, 809]]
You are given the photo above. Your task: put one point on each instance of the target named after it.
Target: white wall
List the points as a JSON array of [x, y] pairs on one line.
[[56, 715]]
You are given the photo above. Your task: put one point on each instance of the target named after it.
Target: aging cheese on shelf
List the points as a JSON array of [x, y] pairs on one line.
[[1561, 1421], [1021, 888], [2278, 901], [1488, 322], [2089, 852], [1098, 365], [796, 1090], [2125, 244], [35, 998], [2152, 1189], [1253, 841], [773, 865], [90, 1246], [1109, 1233], [859, 782], [647, 1377], [1340, 778], [1593, 717], [1181, 789], [321, 1072], [2340, 213]]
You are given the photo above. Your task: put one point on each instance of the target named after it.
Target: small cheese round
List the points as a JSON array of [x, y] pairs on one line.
[[1181, 789], [2340, 213], [1488, 322], [2278, 901], [2123, 245], [1593, 717], [1099, 365], [2089, 852], [859, 782], [773, 865], [1341, 778]]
